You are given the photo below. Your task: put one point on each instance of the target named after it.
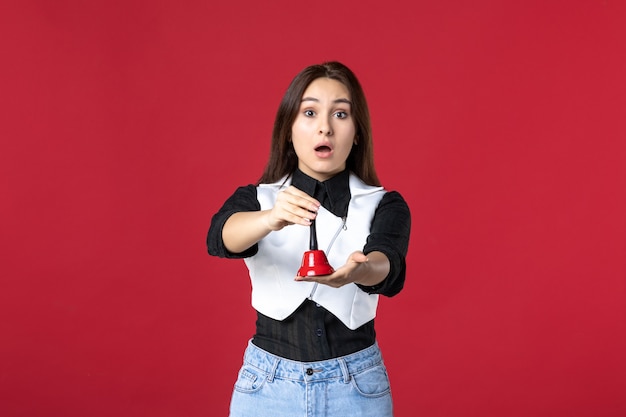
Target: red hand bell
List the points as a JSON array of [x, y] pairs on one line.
[[314, 261]]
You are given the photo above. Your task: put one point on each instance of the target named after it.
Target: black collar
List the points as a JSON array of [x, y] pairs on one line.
[[334, 193]]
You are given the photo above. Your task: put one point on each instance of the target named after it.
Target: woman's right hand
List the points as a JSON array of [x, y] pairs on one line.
[[245, 228], [292, 206]]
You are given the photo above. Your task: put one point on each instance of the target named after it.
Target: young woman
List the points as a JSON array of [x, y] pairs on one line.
[[314, 352]]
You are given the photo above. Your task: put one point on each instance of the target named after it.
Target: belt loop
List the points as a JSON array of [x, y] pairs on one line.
[[344, 370], [270, 376]]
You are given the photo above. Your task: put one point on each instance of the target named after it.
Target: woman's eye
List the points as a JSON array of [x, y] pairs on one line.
[[309, 113], [341, 114]]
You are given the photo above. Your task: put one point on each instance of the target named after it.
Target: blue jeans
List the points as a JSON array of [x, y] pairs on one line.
[[353, 385]]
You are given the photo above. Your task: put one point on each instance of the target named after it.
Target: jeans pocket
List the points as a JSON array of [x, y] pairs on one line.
[[250, 379], [372, 382]]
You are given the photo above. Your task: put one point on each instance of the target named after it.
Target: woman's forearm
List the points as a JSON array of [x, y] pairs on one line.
[[244, 229]]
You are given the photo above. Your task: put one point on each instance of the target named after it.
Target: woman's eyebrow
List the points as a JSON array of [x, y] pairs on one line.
[[339, 100], [343, 100]]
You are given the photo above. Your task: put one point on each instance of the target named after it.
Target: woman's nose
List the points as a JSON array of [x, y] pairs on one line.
[[325, 128]]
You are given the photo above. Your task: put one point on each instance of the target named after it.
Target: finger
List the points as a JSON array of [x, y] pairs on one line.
[[287, 218], [295, 214], [298, 215], [301, 199], [303, 279]]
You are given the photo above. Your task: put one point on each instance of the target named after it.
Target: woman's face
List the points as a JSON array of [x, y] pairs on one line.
[[323, 132]]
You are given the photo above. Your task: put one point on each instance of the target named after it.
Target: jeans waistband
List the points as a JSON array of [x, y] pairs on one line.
[[341, 367]]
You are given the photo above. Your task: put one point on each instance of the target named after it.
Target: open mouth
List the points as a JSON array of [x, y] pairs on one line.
[[323, 148]]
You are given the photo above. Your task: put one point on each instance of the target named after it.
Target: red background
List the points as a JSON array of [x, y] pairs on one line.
[[125, 125]]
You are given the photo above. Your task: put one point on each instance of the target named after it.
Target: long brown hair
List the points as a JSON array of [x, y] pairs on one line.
[[283, 159]]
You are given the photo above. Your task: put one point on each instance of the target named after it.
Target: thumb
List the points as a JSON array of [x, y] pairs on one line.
[[358, 257]]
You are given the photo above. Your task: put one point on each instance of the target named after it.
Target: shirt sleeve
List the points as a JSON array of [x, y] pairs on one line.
[[389, 234], [243, 199]]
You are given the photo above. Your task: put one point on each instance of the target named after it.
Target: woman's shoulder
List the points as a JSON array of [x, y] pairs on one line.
[[393, 200], [244, 190]]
